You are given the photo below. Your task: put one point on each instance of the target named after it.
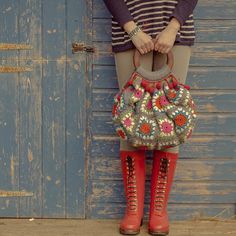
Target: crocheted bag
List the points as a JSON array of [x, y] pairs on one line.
[[154, 110]]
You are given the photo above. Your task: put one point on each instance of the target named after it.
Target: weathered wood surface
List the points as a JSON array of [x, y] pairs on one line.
[[9, 133], [108, 168], [197, 147], [177, 212], [199, 77], [182, 192], [205, 176], [105, 227], [42, 131]]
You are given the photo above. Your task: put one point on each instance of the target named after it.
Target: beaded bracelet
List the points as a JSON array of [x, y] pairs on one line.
[[134, 31]]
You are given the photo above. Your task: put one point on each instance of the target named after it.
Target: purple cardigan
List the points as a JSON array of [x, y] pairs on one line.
[[153, 17], [120, 12]]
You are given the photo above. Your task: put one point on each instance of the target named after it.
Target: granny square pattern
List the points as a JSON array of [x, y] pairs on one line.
[[154, 114]]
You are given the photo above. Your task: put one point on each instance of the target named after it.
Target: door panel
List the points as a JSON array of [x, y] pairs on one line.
[[42, 112]]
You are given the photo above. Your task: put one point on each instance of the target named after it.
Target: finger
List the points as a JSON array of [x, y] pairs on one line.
[[144, 49], [151, 45], [148, 46], [167, 49], [141, 50], [161, 48], [164, 49], [157, 46]]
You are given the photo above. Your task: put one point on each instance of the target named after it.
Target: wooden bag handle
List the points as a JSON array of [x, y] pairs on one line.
[[137, 55]]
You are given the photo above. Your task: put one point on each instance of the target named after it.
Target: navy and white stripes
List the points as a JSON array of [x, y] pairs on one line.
[[152, 17]]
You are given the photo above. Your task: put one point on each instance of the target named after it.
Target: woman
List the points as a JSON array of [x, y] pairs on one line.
[[149, 26]]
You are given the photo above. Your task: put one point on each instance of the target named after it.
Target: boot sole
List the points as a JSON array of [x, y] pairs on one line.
[[158, 233], [129, 232]]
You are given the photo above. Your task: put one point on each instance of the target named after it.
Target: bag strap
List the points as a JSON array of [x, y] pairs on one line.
[[137, 55]]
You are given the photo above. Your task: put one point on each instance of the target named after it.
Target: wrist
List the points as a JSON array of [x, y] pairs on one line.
[[129, 26], [174, 24]]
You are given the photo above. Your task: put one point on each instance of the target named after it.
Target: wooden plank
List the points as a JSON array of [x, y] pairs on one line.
[[75, 111], [197, 78], [206, 157], [54, 72], [54, 23], [214, 54], [9, 27], [196, 147], [209, 31], [30, 113], [212, 9], [203, 54], [215, 30], [49, 227], [110, 191], [208, 124], [205, 9], [9, 113], [176, 211], [211, 77], [206, 101], [109, 168]]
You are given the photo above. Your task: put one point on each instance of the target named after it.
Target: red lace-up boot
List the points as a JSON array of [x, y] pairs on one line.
[[133, 171], [163, 169]]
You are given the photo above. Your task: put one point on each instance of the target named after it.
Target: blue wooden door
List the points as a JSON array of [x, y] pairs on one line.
[[42, 108]]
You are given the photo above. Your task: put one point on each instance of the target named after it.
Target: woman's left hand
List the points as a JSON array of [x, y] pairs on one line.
[[165, 39]]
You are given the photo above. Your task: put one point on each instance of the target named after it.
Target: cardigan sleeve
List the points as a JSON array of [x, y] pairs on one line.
[[119, 11], [183, 9]]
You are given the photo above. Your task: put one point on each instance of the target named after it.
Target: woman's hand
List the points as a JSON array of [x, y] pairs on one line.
[[165, 39], [142, 41]]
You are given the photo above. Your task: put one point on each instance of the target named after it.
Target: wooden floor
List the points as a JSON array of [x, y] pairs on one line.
[[65, 227]]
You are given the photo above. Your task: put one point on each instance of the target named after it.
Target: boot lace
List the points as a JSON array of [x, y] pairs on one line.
[[161, 184], [131, 185]]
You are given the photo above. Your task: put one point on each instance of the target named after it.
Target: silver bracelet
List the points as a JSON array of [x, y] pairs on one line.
[[134, 31]]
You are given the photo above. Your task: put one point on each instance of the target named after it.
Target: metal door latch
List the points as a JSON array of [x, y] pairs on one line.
[[81, 47]]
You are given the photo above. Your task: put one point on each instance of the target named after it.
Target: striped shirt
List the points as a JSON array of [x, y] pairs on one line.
[[152, 16]]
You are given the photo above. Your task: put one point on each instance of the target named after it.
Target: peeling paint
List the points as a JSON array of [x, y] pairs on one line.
[[12, 166], [30, 155], [49, 178], [4, 193]]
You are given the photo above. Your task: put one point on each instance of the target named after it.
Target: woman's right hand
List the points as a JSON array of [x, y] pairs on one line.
[[142, 41]]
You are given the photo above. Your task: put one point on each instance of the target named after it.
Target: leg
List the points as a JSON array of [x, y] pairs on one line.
[[132, 159], [164, 161]]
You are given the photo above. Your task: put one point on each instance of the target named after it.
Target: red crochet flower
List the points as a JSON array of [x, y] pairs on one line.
[[138, 93], [127, 122], [163, 101], [145, 128], [171, 94], [180, 120], [166, 127], [158, 103], [149, 104]]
